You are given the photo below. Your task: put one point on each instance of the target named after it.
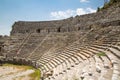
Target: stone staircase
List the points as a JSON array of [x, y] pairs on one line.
[[30, 44]]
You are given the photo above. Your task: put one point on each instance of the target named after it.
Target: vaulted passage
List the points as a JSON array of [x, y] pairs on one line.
[[38, 30], [0, 49], [58, 30]]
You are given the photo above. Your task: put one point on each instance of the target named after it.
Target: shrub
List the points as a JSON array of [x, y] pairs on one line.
[[36, 74], [108, 4], [101, 54]]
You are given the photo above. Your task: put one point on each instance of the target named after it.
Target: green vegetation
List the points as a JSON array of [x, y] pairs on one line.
[[35, 75], [108, 4], [101, 54], [23, 67]]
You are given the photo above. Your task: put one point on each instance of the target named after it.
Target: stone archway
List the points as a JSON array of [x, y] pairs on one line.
[[58, 30], [38, 30], [0, 49]]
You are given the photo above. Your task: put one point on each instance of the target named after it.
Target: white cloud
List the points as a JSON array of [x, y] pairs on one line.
[[69, 13], [84, 0], [90, 10], [80, 11], [62, 14]]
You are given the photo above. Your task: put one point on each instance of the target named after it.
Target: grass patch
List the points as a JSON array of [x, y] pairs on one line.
[[101, 54], [108, 4], [23, 67], [35, 75]]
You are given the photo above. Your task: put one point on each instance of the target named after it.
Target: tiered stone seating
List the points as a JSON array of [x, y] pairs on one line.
[[71, 62], [102, 69], [49, 43], [77, 62], [30, 44], [66, 53], [75, 72], [70, 51], [116, 71], [99, 62], [79, 48], [112, 51], [13, 44], [65, 56], [23, 42]]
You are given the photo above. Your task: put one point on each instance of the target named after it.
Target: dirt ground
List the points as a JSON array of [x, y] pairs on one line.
[[15, 73]]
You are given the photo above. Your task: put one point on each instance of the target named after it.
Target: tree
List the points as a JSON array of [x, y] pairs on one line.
[[106, 1], [114, 1]]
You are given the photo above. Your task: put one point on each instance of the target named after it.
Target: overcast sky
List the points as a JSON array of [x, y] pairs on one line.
[[42, 10]]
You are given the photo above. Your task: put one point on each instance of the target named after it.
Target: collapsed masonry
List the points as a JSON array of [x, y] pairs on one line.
[[82, 47]]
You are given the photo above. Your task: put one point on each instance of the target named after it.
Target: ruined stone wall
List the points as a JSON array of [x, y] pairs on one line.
[[67, 25], [41, 27], [2, 41], [17, 61]]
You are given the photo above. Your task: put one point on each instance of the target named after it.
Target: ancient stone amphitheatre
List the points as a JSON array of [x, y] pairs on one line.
[[83, 47]]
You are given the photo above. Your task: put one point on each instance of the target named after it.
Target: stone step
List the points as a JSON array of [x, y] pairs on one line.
[[116, 71], [48, 59], [88, 52], [108, 53], [85, 54], [115, 76], [117, 52], [72, 60], [83, 57], [109, 45], [109, 49], [104, 58], [62, 57], [68, 72]]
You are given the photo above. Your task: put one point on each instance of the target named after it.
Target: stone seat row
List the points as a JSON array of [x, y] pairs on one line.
[[113, 52], [66, 55], [82, 67], [71, 51], [103, 58], [27, 47]]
